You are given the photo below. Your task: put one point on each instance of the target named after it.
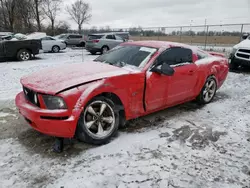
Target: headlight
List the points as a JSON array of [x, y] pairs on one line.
[[234, 51], [232, 54], [54, 102]]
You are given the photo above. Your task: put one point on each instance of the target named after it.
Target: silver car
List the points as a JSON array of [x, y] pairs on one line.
[[102, 42], [72, 39]]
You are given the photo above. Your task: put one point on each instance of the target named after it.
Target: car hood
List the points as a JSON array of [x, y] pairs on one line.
[[243, 44], [57, 79]]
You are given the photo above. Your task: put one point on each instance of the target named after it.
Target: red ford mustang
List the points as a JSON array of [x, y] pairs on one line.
[[91, 100]]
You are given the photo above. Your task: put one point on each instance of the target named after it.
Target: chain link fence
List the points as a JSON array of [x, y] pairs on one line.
[[225, 35]]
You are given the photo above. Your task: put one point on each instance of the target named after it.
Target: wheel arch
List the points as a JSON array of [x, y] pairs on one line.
[[105, 45], [28, 49], [109, 95], [99, 88], [56, 46]]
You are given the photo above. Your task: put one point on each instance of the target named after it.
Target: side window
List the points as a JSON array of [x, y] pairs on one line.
[[118, 37], [47, 38], [75, 36], [176, 55], [112, 37]]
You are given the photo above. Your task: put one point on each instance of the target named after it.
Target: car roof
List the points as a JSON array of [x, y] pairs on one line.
[[110, 33], [160, 44]]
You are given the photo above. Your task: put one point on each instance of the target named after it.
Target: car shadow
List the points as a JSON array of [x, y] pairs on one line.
[[241, 70], [38, 143], [9, 60], [159, 118], [60, 52]]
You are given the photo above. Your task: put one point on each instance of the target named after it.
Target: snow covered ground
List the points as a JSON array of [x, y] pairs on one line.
[[185, 146]]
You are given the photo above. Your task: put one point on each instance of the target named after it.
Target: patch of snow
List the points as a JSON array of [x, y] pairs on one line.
[[180, 64], [208, 60], [3, 114]]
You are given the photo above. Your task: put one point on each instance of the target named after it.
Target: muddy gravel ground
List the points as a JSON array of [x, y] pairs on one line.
[[185, 146]]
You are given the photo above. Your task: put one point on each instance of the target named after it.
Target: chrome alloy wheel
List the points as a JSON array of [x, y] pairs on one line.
[[25, 56], [209, 91], [99, 119]]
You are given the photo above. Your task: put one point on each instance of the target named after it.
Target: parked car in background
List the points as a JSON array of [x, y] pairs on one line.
[[50, 44], [5, 35], [22, 50], [72, 39], [102, 42], [240, 55], [91, 100], [124, 35]]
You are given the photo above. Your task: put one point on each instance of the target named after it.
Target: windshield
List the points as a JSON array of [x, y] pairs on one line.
[[121, 56]]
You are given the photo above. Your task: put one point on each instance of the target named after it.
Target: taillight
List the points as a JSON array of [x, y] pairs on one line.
[[95, 41]]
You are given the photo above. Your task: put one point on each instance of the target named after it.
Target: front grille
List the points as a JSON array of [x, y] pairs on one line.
[[31, 96], [244, 50], [243, 54]]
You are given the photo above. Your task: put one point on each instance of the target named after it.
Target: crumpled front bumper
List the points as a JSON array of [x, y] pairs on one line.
[[59, 123]]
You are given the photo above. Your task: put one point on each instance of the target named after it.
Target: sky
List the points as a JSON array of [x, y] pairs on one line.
[[154, 13]]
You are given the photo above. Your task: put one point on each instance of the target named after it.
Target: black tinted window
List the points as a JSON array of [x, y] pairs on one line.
[[75, 36], [112, 37], [174, 56], [93, 37]]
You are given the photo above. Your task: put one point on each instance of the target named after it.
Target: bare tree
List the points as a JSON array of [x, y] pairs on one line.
[[51, 9], [80, 13], [3, 17], [25, 17], [9, 7], [37, 12]]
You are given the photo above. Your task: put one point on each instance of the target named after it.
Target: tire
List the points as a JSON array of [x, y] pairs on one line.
[[55, 49], [91, 128], [208, 91], [104, 49], [233, 65], [93, 53], [82, 44], [23, 55]]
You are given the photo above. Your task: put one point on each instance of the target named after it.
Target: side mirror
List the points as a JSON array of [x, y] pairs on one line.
[[163, 69]]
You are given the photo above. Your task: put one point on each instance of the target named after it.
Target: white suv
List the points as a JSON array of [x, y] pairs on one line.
[[240, 55]]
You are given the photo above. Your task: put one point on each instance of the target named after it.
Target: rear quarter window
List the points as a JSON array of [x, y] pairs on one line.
[[93, 37]]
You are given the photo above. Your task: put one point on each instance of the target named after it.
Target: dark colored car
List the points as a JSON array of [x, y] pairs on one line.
[[19, 49]]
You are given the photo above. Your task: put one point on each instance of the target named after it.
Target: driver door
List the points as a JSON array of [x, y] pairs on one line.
[[163, 90]]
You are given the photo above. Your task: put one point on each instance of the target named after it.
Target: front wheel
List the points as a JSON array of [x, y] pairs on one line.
[[208, 91], [98, 122]]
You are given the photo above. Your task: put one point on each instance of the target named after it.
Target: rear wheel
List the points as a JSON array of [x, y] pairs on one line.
[[23, 55], [105, 49], [98, 122], [82, 44], [93, 53], [208, 91], [55, 49]]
